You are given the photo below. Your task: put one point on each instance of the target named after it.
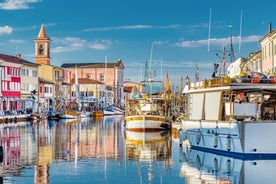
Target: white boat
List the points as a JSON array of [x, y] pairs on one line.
[[85, 114], [113, 110], [236, 119], [204, 167]]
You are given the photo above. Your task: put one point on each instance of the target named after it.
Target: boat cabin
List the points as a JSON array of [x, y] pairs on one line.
[[241, 101]]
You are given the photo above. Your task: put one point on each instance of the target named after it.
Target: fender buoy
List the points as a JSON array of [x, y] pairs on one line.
[[1, 154], [228, 140], [198, 137], [216, 141]]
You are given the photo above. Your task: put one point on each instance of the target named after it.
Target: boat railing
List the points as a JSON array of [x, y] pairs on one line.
[[208, 83]]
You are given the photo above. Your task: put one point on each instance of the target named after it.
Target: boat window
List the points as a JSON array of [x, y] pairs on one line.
[[212, 105], [196, 101]]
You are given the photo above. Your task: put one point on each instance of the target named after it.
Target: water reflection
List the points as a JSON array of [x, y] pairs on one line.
[[150, 150], [203, 167]]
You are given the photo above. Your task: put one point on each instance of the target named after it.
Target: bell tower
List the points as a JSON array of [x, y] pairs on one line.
[[42, 47]]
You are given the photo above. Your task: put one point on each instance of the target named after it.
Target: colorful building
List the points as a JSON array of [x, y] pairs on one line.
[[111, 74], [10, 84]]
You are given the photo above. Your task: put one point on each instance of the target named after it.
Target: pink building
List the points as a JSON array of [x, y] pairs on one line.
[[110, 74], [10, 84]]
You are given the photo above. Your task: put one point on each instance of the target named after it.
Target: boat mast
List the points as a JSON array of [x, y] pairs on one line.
[[150, 79]]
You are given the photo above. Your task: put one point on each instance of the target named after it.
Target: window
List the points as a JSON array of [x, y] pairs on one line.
[[34, 73], [88, 75], [23, 71], [40, 50], [101, 77]]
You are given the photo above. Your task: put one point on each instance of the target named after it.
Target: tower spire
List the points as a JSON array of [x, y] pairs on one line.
[[42, 47]]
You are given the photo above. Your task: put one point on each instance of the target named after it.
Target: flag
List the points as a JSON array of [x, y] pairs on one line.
[[167, 87]]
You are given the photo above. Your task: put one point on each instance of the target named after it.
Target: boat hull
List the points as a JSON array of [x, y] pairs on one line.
[[240, 139], [69, 115], [142, 123]]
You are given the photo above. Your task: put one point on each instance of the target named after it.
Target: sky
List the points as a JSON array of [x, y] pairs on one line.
[[174, 36]]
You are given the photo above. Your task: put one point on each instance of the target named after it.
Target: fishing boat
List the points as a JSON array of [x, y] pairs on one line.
[[237, 119], [97, 115], [69, 114], [149, 111]]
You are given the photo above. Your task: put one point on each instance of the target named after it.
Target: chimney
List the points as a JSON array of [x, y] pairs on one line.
[[19, 56], [269, 27]]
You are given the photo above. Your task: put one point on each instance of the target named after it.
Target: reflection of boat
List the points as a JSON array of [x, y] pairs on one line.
[[152, 151], [85, 114], [147, 146], [38, 116], [68, 121], [203, 167], [146, 137], [149, 112]]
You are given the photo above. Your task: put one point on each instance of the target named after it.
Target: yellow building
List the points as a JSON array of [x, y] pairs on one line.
[[29, 86]]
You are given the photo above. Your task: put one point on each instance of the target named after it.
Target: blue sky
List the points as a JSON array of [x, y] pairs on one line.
[[90, 30]]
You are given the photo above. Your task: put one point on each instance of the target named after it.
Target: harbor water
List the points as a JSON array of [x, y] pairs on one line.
[[102, 151]]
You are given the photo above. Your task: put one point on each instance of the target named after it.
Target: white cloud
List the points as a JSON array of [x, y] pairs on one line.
[[100, 44], [69, 44], [217, 41], [17, 4], [6, 30], [64, 49], [17, 41], [132, 27]]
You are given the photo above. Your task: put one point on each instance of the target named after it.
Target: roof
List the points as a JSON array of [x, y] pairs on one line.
[[42, 33], [14, 59], [86, 81], [45, 81], [128, 89], [269, 34], [94, 65]]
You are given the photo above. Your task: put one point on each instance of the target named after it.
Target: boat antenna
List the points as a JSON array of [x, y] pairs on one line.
[[240, 32], [196, 73], [231, 54], [209, 33]]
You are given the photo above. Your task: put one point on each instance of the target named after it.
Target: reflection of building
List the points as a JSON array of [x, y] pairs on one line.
[[87, 139], [45, 153], [19, 148]]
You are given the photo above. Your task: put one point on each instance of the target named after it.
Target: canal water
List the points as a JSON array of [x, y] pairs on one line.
[[102, 151]]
